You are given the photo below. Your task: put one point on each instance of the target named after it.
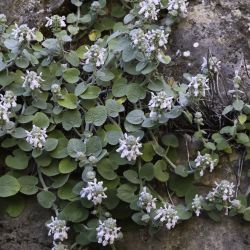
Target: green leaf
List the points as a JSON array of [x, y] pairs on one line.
[[242, 138], [74, 212], [15, 206], [170, 141], [105, 75], [96, 115], [71, 75], [147, 172], [69, 101], [148, 152], [50, 144], [126, 192], [131, 176], [246, 214], [65, 192], [113, 108], [94, 146], [41, 120], [92, 92], [19, 160], [163, 58], [67, 165], [106, 168], [73, 58], [75, 146], [9, 186], [159, 172], [238, 105], [71, 119], [28, 184], [242, 118], [135, 92], [135, 117], [46, 199]]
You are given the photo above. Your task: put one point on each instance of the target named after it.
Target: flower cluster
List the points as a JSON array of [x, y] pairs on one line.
[[198, 85], [95, 55], [108, 232], [32, 80], [176, 7], [150, 9], [55, 21], [7, 101], [94, 192], [204, 161], [36, 137], [129, 147], [23, 33], [167, 214], [159, 103], [146, 200], [223, 193], [95, 6], [4, 113], [210, 65], [149, 42], [196, 204], [58, 229]]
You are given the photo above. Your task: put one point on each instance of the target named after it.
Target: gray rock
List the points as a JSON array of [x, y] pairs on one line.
[[32, 12]]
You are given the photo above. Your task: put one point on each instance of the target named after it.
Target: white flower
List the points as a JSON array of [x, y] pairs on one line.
[[95, 55], [59, 246], [149, 42], [55, 21], [95, 6], [94, 192], [204, 161], [23, 32], [58, 229], [4, 113], [223, 193], [212, 65], [146, 200], [196, 204], [36, 137], [167, 214], [196, 45], [150, 9], [186, 53], [108, 232], [32, 80], [9, 99], [129, 147], [159, 103], [198, 85], [176, 7]]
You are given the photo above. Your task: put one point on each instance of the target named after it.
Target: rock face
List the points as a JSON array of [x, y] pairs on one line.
[[222, 26], [32, 12], [198, 233], [27, 232]]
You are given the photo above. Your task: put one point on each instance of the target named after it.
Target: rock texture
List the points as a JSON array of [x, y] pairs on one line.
[[32, 12], [27, 232], [198, 233]]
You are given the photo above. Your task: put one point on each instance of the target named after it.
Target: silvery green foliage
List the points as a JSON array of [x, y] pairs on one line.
[[210, 65], [108, 232], [91, 125]]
